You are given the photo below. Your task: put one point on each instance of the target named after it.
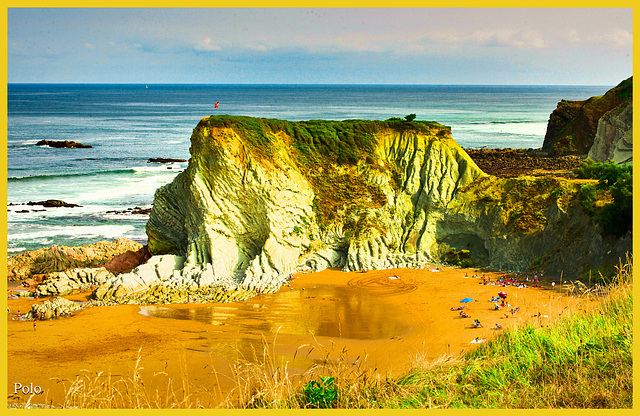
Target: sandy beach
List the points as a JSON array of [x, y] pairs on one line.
[[373, 318]]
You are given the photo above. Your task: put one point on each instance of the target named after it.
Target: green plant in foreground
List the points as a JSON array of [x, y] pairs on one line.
[[320, 394]]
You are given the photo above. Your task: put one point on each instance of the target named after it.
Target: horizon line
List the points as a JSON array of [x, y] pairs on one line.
[[306, 84]]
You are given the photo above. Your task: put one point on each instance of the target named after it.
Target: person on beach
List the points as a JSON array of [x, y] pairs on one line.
[[34, 324], [476, 323]]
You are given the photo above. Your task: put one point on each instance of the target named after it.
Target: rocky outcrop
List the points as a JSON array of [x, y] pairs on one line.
[[511, 163], [53, 203], [53, 309], [69, 281], [254, 217], [572, 125], [59, 258], [64, 144], [534, 224], [614, 136], [127, 261]]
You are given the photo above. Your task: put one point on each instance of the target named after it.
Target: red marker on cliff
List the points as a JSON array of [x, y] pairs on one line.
[[216, 106]]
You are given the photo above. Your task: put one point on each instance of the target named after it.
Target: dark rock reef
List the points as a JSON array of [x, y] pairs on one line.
[[53, 203], [164, 160], [64, 144]]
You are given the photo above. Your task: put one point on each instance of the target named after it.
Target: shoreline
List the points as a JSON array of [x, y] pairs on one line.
[[391, 322]]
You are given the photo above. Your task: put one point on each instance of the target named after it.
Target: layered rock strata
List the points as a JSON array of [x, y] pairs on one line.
[[614, 136]]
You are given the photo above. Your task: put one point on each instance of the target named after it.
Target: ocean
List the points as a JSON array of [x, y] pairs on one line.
[[128, 124]]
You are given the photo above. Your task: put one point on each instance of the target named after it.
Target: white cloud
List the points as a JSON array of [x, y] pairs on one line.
[[89, 45], [618, 38], [573, 36], [522, 39], [206, 44]]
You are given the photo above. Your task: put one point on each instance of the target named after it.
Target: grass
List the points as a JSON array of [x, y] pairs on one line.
[[580, 360]]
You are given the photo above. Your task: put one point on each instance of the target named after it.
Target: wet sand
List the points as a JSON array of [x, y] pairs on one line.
[[391, 322]]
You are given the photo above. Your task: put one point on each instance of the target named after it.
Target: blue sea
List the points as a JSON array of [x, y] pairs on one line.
[[128, 124]]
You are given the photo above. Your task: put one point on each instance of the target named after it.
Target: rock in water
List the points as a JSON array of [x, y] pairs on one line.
[[53, 203], [63, 144], [164, 160]]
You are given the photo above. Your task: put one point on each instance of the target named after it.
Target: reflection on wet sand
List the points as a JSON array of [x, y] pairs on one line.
[[324, 311]]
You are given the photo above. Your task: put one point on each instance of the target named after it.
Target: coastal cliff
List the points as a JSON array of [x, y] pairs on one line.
[[263, 198], [573, 125]]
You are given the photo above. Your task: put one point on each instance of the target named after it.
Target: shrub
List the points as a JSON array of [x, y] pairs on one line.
[[616, 218], [587, 196], [607, 173], [410, 117], [320, 394]]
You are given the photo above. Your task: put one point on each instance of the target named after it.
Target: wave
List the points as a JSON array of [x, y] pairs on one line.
[[70, 175], [105, 231], [513, 122]]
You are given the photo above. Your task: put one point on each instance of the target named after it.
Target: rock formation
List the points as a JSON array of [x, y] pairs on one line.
[[251, 213], [52, 309], [64, 144], [53, 203], [58, 258], [572, 125], [68, 281], [614, 136], [164, 160]]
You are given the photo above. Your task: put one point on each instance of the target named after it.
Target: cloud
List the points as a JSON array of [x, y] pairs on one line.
[[573, 36], [89, 45], [206, 45], [521, 39], [618, 38]]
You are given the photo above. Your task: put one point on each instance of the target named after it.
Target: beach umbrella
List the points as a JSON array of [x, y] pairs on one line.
[[502, 294], [466, 300]]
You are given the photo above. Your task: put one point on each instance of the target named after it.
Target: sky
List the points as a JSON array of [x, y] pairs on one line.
[[575, 46]]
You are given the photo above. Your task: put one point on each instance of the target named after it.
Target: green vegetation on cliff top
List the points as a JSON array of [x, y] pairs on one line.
[[342, 142], [319, 146]]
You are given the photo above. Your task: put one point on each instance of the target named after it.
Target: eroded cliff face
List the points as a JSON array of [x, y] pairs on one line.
[[253, 215]]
